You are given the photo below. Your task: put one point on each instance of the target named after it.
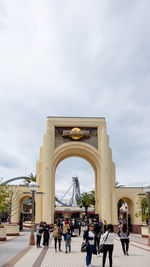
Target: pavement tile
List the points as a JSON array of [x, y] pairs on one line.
[[138, 256]]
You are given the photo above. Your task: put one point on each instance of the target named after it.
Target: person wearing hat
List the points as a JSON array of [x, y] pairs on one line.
[[89, 236], [66, 227]]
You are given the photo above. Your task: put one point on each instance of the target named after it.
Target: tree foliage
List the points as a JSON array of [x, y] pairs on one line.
[[29, 179], [86, 200], [92, 195], [143, 208], [5, 193]]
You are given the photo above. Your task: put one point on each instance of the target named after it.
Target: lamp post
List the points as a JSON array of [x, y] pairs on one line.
[[146, 189], [33, 186]]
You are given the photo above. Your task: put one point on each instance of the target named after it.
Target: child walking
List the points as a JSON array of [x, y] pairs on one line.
[[67, 238]]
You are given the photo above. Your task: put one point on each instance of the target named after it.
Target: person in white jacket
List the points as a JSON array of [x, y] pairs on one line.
[[108, 239]]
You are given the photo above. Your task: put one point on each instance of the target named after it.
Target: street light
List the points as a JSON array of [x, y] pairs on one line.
[[146, 189], [33, 186]]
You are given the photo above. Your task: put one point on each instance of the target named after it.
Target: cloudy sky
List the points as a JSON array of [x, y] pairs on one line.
[[75, 58]]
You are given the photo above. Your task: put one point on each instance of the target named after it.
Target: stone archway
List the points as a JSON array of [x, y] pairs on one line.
[[127, 213], [131, 197], [85, 138], [82, 137], [19, 195]]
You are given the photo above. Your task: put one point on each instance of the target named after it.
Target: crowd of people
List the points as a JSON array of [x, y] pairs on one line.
[[95, 234], [98, 233], [62, 228]]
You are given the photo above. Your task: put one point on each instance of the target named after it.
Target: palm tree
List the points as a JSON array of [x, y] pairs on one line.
[[85, 201], [29, 179], [92, 194]]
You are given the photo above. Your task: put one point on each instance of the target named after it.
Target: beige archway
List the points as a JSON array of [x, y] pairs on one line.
[[94, 148], [129, 211], [131, 197], [19, 195], [86, 138]]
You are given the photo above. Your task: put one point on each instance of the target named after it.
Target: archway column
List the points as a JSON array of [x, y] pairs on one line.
[[97, 192], [105, 178], [48, 179]]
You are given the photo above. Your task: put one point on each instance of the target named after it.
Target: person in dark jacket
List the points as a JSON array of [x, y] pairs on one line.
[[71, 227], [79, 226], [124, 238], [89, 236], [97, 231], [46, 234]]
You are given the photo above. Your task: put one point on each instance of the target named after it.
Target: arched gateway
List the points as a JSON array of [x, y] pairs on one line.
[[86, 138]]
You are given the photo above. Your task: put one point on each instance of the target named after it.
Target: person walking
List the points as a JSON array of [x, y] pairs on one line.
[[67, 238], [39, 234], [89, 236], [46, 234], [98, 232], [71, 227], [105, 225], [79, 226], [66, 227], [57, 234], [108, 240], [124, 238]]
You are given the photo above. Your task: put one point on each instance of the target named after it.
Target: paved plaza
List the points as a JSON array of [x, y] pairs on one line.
[[17, 253]]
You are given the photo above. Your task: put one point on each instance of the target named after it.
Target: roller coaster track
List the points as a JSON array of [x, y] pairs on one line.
[[15, 179], [75, 192]]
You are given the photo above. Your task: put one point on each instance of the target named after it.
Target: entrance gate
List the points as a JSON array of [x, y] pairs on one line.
[[86, 138], [79, 137]]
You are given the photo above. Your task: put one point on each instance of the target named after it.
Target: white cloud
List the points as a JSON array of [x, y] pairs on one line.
[[75, 58]]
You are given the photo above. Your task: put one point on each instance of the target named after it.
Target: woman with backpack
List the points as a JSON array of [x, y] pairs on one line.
[[108, 241], [89, 236], [124, 238], [57, 234]]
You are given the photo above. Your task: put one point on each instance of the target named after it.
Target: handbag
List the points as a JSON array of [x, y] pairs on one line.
[[101, 246], [84, 246]]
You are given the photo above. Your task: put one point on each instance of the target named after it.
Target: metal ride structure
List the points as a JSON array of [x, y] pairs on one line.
[[75, 186], [75, 193], [15, 179]]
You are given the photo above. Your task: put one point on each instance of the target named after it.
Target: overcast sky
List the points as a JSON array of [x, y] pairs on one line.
[[75, 58]]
